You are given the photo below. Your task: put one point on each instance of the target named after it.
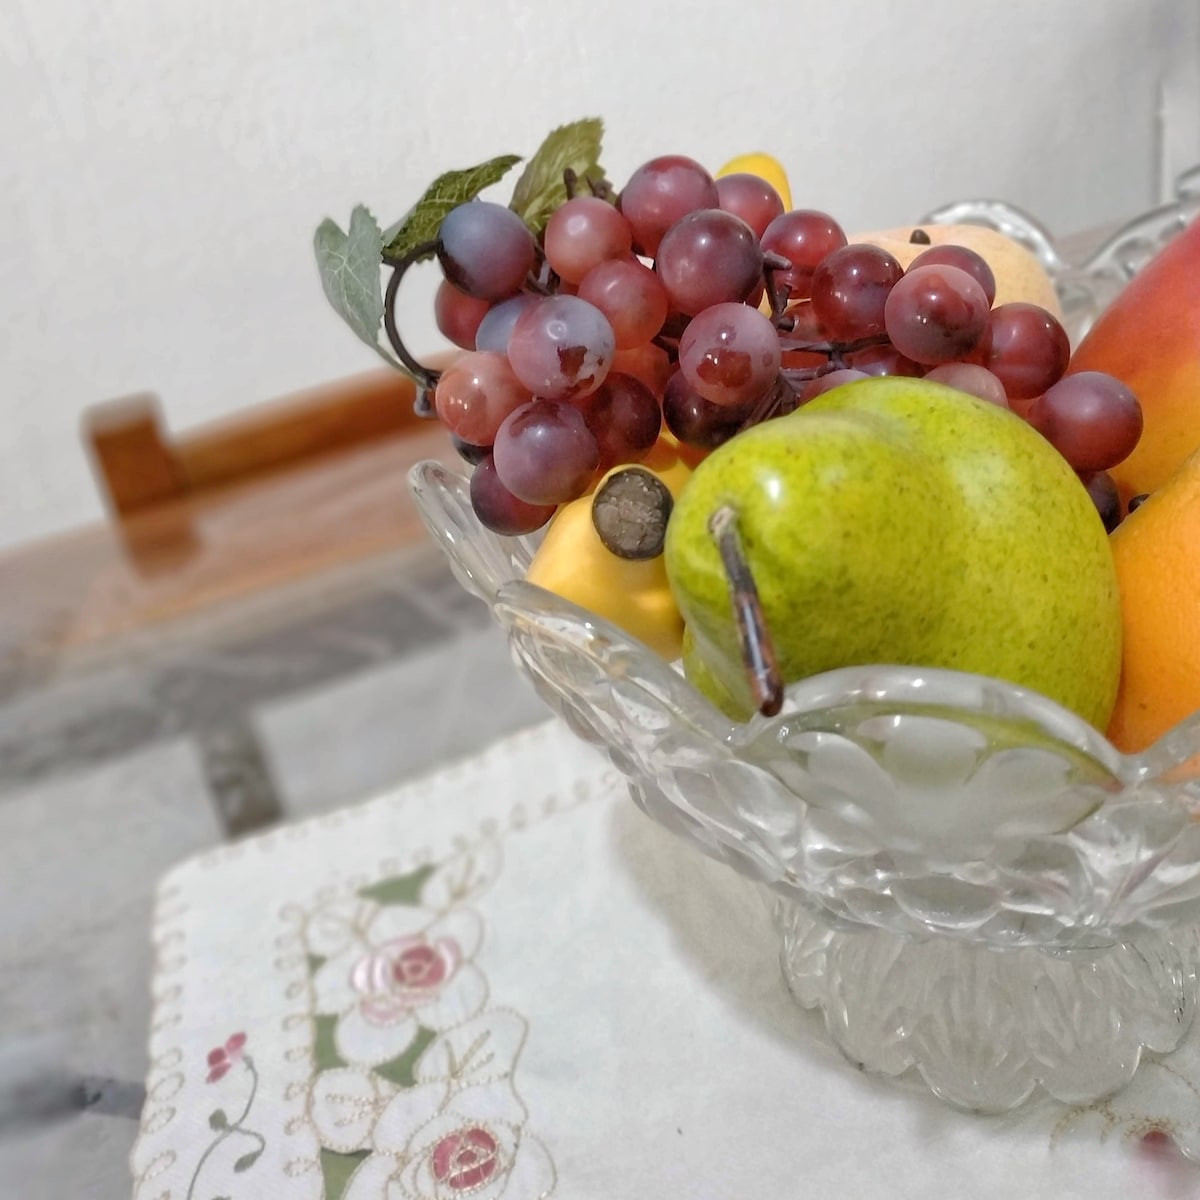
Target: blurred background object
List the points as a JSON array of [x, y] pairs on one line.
[[166, 165]]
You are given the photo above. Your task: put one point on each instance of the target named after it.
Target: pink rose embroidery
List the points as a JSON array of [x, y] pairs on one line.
[[466, 1159], [224, 1057], [402, 975]]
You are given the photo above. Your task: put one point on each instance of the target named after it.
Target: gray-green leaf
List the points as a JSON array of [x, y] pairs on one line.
[[540, 190], [349, 265], [444, 193], [217, 1119], [246, 1161]]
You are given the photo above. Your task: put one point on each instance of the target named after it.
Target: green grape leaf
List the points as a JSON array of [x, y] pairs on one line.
[[540, 190], [349, 266], [447, 191]]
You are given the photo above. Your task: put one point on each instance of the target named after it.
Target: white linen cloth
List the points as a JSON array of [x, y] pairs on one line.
[[503, 980]]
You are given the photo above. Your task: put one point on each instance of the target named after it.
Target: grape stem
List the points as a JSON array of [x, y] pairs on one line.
[[758, 650], [425, 377]]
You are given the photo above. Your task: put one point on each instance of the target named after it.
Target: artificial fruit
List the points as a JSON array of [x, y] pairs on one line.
[[896, 520]]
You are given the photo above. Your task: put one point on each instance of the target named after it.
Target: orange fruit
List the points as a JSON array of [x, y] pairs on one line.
[[1157, 554]]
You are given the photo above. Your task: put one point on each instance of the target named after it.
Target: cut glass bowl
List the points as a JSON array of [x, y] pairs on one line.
[[970, 882]]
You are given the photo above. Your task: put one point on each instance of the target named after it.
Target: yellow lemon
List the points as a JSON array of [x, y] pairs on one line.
[[765, 166]]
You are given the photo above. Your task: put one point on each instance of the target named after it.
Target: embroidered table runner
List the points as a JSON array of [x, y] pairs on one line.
[[504, 981]]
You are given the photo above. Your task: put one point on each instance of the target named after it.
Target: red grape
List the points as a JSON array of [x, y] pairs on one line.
[[1093, 420], [964, 259], [850, 288], [884, 360], [829, 381], [583, 232], [751, 198], [969, 377], [707, 258], [458, 315], [661, 191], [631, 296], [804, 237], [730, 354], [1028, 350], [648, 362], [935, 314], [475, 393]]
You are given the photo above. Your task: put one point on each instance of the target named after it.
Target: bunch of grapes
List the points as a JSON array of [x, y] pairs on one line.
[[703, 306]]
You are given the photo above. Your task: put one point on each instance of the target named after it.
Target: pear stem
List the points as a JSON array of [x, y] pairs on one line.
[[758, 650]]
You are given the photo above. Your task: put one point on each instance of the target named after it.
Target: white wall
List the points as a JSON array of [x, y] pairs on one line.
[[164, 163]]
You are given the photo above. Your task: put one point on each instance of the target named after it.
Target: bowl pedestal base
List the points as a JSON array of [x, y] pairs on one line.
[[985, 1028]]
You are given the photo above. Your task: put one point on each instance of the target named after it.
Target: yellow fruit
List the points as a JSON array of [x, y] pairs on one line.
[[1019, 274], [765, 167], [574, 563]]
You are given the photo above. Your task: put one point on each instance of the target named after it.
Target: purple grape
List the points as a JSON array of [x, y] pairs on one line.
[[498, 509], [486, 250], [624, 417], [496, 326], [1093, 420], [545, 453], [561, 347], [706, 258], [696, 421]]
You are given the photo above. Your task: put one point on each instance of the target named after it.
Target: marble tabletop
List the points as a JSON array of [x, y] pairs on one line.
[[258, 714]]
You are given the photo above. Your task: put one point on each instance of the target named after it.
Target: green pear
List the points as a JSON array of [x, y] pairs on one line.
[[899, 521]]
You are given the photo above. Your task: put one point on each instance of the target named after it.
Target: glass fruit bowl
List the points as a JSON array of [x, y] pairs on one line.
[[966, 878], [971, 883]]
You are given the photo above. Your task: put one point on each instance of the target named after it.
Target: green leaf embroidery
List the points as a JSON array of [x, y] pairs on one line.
[[444, 193], [337, 1169], [349, 265], [217, 1119], [315, 963], [325, 1053], [541, 189], [246, 1161], [400, 889], [400, 1070]]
